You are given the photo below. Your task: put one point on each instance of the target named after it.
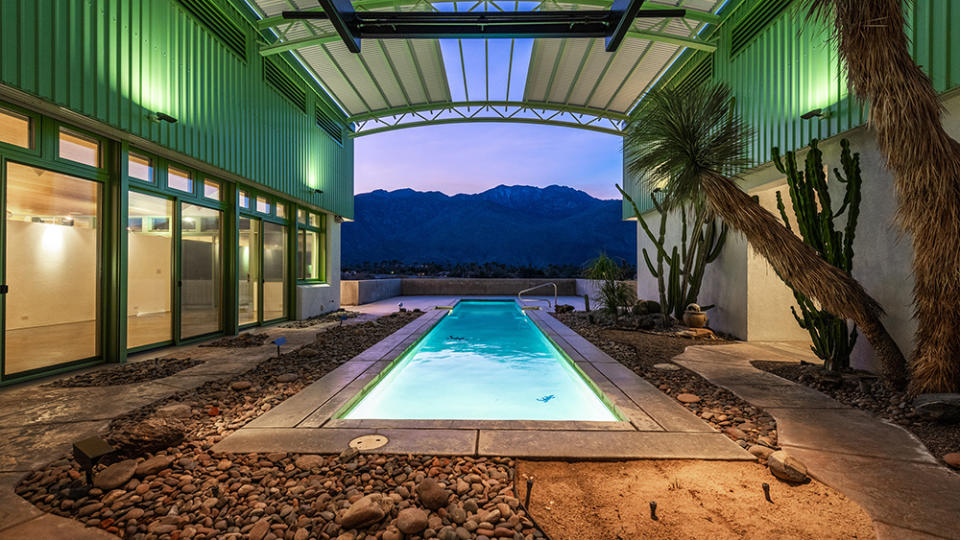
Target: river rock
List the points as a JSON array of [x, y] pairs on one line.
[[259, 530], [175, 410], [309, 461], [287, 377], [952, 459], [115, 475], [760, 451], [666, 367], [154, 465], [787, 468], [431, 494], [367, 510], [944, 407], [411, 520], [688, 398], [241, 385]]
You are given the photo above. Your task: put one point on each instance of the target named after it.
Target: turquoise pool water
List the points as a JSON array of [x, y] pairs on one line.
[[486, 360]]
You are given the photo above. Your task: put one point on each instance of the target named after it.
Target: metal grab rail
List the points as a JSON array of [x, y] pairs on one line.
[[522, 299]]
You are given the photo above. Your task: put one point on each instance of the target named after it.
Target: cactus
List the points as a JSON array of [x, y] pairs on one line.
[[833, 338], [700, 243]]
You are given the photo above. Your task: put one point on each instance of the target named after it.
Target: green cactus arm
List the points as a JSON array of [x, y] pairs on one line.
[[783, 211], [646, 259]]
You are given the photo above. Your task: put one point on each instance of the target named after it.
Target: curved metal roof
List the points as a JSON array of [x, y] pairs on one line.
[[571, 82]]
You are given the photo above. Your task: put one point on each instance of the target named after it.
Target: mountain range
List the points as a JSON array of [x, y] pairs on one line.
[[517, 225]]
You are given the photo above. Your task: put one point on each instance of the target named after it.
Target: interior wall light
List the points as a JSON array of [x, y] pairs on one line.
[[161, 117], [815, 113]]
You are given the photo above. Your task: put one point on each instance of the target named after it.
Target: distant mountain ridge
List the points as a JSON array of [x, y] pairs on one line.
[[517, 225]]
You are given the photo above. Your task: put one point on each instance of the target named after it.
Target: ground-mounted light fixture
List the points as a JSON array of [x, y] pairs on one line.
[[88, 452], [815, 113], [161, 117]]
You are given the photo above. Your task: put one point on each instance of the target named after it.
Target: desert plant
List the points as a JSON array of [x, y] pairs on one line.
[[612, 292], [691, 138], [832, 338], [905, 113], [679, 283]]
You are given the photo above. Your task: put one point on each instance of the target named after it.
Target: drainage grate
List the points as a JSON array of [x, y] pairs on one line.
[[369, 442]]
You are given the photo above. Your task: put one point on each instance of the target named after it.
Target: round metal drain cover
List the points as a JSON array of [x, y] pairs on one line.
[[369, 442]]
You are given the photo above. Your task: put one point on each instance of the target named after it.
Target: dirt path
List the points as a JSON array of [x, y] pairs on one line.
[[695, 499]]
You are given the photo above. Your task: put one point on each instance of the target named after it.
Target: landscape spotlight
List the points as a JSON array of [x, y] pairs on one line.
[[162, 117], [810, 114]]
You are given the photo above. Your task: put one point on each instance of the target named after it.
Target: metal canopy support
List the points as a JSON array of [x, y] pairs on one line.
[[353, 27], [626, 11], [341, 15]]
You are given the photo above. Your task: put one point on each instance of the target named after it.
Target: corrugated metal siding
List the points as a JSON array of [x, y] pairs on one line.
[[118, 60], [791, 67]]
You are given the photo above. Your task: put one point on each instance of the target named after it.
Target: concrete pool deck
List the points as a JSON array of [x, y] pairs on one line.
[[654, 427]]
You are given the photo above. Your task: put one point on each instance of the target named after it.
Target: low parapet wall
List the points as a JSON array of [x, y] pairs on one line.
[[364, 291]]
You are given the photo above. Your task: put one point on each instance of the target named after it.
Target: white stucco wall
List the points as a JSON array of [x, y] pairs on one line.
[[319, 298], [752, 302]]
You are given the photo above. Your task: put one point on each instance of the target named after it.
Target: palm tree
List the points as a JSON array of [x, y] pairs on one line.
[[905, 113], [690, 139]]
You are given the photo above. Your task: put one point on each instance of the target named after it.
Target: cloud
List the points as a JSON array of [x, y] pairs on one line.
[[470, 158]]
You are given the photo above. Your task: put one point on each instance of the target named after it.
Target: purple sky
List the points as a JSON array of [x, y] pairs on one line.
[[470, 158]]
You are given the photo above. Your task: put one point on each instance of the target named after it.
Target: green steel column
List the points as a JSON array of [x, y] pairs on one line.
[[231, 239], [114, 279], [292, 307]]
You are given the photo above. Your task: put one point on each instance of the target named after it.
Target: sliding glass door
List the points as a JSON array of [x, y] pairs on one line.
[[201, 271], [248, 272], [52, 238], [274, 270]]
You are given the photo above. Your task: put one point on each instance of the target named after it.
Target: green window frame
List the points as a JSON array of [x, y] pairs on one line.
[[311, 248]]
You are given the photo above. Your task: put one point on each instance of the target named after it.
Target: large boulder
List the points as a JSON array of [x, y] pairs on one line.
[[366, 511], [154, 465], [787, 468], [938, 407]]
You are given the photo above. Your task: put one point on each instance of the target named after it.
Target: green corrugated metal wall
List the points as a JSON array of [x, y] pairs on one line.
[[118, 60], [791, 67]]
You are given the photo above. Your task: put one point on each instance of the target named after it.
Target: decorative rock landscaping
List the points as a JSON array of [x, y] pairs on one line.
[[134, 372], [239, 342]]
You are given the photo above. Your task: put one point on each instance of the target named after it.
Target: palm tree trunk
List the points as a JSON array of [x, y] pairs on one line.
[[905, 113], [803, 268]]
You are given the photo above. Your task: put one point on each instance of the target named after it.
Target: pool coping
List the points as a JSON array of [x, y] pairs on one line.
[[655, 426]]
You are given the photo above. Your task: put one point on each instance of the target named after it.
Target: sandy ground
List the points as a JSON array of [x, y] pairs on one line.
[[695, 499]]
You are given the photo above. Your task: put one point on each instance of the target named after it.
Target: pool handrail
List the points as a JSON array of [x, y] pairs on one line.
[[547, 300]]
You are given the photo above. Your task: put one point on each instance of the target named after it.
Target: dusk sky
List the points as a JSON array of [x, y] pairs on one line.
[[470, 158]]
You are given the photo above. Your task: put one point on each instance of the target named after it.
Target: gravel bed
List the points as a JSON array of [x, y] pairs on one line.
[[133, 372], [165, 483], [875, 398], [335, 316], [241, 341], [648, 354]]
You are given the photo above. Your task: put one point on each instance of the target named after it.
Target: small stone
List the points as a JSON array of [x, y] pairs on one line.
[[154, 465], [952, 459], [390, 534], [348, 454], [259, 530], [224, 464], [411, 520], [309, 462], [240, 386], [760, 451], [431, 494], [734, 433], [688, 398], [115, 475], [787, 468], [666, 367], [176, 410], [367, 510], [287, 377]]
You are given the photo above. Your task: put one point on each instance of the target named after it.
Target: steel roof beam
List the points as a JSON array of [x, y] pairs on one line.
[[626, 12], [341, 15], [532, 105]]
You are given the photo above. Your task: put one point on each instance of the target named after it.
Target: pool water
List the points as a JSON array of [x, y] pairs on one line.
[[485, 360]]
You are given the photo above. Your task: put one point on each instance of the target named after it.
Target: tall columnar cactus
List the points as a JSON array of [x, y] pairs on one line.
[[833, 338], [700, 243]]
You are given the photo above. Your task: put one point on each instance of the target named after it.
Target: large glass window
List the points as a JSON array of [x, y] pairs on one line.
[[52, 255], [248, 271], [149, 270], [308, 254], [79, 148], [211, 189], [274, 270], [14, 128], [201, 272]]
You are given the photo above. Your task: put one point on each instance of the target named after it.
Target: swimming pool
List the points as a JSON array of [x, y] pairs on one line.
[[485, 360]]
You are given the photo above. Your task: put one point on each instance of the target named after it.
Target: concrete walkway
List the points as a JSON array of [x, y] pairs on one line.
[[881, 466], [39, 424]]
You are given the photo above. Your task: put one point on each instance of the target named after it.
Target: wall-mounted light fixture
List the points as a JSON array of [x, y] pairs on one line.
[[161, 117], [818, 113], [318, 191]]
